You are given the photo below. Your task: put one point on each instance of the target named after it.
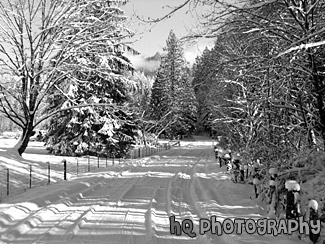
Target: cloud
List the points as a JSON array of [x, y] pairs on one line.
[[190, 56], [140, 62], [192, 52]]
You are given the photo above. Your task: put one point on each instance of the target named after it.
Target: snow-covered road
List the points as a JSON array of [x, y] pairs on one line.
[[132, 203]]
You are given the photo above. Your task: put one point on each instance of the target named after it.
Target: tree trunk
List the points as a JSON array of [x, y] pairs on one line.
[[24, 139], [144, 137], [319, 87]]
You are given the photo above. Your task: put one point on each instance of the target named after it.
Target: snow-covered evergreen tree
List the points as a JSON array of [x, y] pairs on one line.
[[173, 102], [186, 123], [95, 74], [160, 95], [203, 76]]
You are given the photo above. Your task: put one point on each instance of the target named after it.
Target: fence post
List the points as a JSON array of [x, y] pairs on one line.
[[139, 152], [64, 169], [77, 166], [48, 173], [30, 176], [97, 160], [88, 164], [8, 186], [113, 159]]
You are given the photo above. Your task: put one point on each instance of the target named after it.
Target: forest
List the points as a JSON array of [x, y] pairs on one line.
[[65, 70], [68, 81]]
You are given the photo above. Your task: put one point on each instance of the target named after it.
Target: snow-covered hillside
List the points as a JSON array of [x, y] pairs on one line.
[[132, 203]]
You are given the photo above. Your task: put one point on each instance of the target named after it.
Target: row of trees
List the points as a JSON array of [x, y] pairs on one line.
[[143, 108], [263, 81], [63, 62]]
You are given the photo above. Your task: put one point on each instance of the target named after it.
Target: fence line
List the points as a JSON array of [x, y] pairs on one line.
[[11, 182]]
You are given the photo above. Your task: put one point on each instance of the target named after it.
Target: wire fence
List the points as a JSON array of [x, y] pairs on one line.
[[16, 180]]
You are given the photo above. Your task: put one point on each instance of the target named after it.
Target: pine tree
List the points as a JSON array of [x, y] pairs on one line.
[[160, 95], [187, 102], [99, 79], [172, 91], [204, 72]]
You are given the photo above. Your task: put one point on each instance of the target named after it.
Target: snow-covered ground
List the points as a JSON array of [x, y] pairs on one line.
[[132, 202]]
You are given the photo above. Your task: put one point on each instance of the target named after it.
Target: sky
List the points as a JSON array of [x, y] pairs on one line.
[[151, 38]]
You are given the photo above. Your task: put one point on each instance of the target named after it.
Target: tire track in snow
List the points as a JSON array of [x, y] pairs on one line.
[[170, 187], [159, 204], [34, 218], [221, 194], [114, 198], [187, 202], [47, 234], [127, 192], [208, 194], [37, 218], [203, 193]]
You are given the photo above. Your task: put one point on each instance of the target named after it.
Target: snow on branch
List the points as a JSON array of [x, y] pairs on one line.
[[234, 82], [74, 107], [252, 30], [301, 47], [260, 4]]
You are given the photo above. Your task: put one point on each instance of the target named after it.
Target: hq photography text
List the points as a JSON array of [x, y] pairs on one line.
[[238, 226]]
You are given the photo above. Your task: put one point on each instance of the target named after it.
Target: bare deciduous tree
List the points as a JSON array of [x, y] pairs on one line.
[[37, 41]]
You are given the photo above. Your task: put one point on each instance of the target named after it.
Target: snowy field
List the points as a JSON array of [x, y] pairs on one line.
[[131, 203]]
